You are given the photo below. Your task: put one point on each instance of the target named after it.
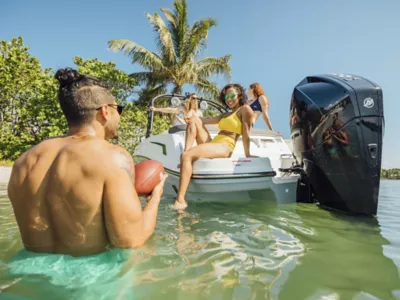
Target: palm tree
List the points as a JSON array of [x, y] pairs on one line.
[[178, 47]]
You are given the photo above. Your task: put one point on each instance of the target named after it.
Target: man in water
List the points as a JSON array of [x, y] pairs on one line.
[[75, 194]]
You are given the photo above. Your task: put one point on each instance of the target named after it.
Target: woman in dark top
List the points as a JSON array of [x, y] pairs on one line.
[[259, 104]]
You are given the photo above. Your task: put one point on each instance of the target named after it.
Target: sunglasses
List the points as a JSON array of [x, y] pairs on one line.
[[118, 107], [231, 95]]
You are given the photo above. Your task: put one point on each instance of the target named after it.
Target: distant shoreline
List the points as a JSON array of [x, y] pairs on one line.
[[5, 173], [390, 174]]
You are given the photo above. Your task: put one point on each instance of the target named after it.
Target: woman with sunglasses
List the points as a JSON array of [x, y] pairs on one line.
[[259, 104], [191, 107], [233, 124]]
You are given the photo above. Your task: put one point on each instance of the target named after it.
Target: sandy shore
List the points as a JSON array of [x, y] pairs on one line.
[[5, 174]]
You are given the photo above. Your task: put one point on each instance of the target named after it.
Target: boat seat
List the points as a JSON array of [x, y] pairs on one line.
[[177, 128]]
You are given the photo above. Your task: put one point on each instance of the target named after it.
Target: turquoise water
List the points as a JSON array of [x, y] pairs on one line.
[[255, 251]]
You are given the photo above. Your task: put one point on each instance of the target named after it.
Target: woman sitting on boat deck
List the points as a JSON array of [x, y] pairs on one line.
[[259, 104], [231, 125], [191, 107]]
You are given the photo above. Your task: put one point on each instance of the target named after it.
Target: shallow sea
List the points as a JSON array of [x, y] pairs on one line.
[[260, 250]]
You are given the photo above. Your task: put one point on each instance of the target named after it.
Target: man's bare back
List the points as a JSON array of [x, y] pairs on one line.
[[58, 202], [75, 194]]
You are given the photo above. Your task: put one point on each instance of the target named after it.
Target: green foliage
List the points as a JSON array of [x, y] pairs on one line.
[[134, 118], [178, 47], [211, 112], [29, 111], [121, 85], [134, 124], [6, 163], [148, 93], [29, 108], [390, 173]]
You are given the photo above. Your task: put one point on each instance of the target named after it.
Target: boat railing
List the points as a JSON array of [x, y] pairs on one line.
[[177, 99]]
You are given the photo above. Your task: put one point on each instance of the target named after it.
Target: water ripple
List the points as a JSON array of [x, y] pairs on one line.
[[259, 251]]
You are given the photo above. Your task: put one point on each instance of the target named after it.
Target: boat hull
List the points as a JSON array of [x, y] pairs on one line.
[[235, 190], [234, 179]]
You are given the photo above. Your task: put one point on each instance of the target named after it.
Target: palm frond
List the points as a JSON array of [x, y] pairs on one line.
[[152, 78], [197, 38], [210, 66], [170, 16], [186, 73], [149, 92], [173, 28], [182, 26], [142, 77], [176, 59], [147, 59], [207, 87], [164, 39]]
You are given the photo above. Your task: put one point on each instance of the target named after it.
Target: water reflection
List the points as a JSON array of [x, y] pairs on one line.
[[335, 136], [347, 261]]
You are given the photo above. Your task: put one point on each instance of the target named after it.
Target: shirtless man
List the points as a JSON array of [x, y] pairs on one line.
[[75, 194]]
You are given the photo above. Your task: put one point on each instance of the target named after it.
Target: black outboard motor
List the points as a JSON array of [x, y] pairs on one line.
[[336, 126]]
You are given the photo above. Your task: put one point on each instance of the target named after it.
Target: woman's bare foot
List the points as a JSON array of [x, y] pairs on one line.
[[180, 205]]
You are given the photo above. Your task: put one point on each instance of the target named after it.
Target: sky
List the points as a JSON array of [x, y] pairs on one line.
[[276, 43]]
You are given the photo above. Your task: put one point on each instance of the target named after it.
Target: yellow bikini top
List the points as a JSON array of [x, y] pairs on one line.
[[231, 123]]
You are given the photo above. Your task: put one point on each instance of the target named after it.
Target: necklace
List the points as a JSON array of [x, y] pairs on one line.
[[80, 136]]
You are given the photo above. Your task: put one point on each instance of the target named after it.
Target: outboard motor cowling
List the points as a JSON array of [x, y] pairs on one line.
[[336, 126]]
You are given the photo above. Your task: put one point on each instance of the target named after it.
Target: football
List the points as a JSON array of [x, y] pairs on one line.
[[147, 176]]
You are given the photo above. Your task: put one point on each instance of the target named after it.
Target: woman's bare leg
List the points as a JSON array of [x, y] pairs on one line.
[[196, 131], [206, 150]]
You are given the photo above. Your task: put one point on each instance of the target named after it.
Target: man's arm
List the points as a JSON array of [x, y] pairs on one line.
[[127, 225]]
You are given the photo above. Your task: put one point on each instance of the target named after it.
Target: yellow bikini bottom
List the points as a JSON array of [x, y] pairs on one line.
[[224, 139]]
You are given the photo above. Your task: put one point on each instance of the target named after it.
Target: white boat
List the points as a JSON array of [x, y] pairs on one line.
[[234, 179], [333, 157]]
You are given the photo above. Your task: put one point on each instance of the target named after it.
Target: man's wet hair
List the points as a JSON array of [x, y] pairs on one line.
[[80, 95]]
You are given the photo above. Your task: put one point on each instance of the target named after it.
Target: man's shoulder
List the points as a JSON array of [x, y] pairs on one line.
[[41, 154], [96, 152], [49, 142], [120, 154], [120, 159], [38, 149], [116, 149]]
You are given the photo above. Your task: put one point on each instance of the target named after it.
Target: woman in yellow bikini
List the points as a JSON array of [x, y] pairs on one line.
[[231, 125]]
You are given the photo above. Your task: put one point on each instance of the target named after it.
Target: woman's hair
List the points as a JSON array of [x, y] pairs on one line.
[[188, 103], [257, 89], [79, 95], [239, 89]]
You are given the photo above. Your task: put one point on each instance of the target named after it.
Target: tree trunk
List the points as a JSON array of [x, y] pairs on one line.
[[177, 90]]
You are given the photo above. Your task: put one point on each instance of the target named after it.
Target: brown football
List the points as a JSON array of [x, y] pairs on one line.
[[147, 176]]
